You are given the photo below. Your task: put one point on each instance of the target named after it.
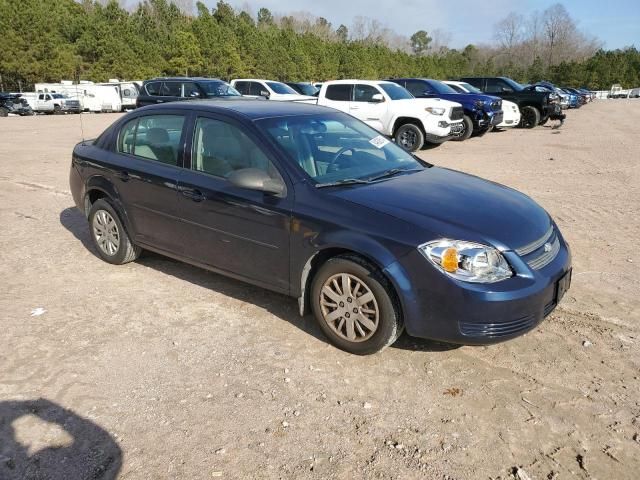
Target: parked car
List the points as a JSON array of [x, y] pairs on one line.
[[304, 88], [635, 93], [564, 98], [313, 203], [535, 107], [173, 89], [393, 111], [56, 103], [510, 111], [13, 103], [481, 112], [574, 99], [268, 89]]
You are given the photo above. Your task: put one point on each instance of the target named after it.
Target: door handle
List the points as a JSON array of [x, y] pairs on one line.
[[355, 108], [193, 194], [123, 175], [159, 101]]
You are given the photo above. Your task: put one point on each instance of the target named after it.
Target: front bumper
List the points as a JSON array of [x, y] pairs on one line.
[[438, 307], [444, 130]]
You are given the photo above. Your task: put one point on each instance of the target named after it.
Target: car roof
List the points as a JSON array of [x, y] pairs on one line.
[[181, 79], [363, 82], [255, 80], [251, 109]]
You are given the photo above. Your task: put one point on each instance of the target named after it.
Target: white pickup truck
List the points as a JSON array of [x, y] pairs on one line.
[[393, 111], [52, 103]]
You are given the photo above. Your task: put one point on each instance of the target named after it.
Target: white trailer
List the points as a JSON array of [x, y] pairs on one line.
[[127, 91], [94, 98]]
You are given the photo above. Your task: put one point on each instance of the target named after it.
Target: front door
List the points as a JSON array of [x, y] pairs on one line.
[[239, 231], [366, 109]]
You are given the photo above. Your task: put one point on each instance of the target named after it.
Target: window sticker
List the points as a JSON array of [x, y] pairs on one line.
[[379, 141]]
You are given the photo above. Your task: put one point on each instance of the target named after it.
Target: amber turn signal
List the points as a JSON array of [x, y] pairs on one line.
[[450, 260]]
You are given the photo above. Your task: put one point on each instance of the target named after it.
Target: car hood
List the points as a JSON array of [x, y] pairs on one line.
[[467, 98], [446, 203], [422, 103]]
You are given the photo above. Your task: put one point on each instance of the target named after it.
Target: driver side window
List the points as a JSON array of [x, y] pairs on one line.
[[364, 93], [220, 148], [495, 85]]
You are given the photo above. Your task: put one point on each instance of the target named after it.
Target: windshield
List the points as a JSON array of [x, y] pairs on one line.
[[334, 147], [58, 95], [470, 88], [307, 89], [281, 88], [515, 85], [219, 89], [396, 92], [440, 87]]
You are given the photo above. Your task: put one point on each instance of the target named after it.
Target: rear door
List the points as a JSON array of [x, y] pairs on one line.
[[239, 231], [171, 91], [148, 162], [149, 94], [338, 96]]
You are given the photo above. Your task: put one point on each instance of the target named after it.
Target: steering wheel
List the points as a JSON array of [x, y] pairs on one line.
[[342, 151]]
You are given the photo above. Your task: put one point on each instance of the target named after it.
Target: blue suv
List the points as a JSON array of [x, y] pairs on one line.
[[481, 112]]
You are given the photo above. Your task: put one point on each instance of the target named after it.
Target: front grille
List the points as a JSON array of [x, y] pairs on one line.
[[541, 252], [496, 105], [457, 113], [496, 330]]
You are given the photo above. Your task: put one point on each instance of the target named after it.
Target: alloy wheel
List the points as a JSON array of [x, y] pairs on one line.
[[349, 307], [106, 233]]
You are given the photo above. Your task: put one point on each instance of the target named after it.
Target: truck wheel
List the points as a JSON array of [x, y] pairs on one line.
[[4, 112], [530, 117], [544, 122], [409, 137], [467, 129], [57, 110]]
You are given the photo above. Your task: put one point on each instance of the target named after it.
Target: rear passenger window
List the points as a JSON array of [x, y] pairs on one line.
[[155, 137], [171, 89], [340, 93], [153, 88]]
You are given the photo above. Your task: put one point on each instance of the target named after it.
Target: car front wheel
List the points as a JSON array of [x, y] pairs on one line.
[[109, 236], [467, 129], [409, 137], [353, 303], [530, 117]]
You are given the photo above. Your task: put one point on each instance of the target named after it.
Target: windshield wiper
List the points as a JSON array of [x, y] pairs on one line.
[[392, 172], [346, 181]]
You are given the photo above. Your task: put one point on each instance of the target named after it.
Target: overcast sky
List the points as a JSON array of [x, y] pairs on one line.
[[616, 22]]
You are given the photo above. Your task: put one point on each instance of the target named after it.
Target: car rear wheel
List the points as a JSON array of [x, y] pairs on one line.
[[467, 129], [530, 117], [353, 303], [409, 137], [57, 110], [109, 236]]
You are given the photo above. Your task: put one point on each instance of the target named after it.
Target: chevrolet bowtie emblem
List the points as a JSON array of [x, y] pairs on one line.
[[547, 247]]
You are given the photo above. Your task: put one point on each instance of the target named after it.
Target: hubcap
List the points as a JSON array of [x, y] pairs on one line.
[[105, 231], [349, 307]]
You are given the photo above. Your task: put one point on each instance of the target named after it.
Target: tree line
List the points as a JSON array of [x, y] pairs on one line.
[[92, 40]]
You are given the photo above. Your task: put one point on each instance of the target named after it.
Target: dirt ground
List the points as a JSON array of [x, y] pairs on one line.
[[159, 370]]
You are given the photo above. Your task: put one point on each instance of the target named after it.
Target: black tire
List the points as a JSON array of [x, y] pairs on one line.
[[409, 137], [389, 326], [57, 110], [126, 251], [468, 130], [4, 112], [530, 117], [544, 121]]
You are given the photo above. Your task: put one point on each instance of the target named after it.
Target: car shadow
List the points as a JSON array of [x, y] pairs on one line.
[[81, 450], [280, 305]]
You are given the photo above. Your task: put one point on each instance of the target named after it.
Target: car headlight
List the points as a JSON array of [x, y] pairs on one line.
[[435, 110], [467, 261]]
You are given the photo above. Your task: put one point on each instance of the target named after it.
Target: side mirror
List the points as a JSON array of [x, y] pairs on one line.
[[265, 94], [256, 179], [377, 98]]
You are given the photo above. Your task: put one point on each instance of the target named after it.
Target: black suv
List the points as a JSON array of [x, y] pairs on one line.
[[161, 90], [535, 107]]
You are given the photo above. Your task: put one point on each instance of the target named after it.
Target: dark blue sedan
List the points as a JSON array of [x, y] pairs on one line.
[[313, 203]]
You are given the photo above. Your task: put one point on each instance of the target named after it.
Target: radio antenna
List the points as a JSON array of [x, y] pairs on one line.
[[80, 102]]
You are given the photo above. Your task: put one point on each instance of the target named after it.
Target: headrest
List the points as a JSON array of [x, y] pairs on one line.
[[157, 136]]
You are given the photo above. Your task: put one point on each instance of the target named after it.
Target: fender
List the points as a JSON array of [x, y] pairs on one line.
[[328, 245], [394, 119], [105, 186]]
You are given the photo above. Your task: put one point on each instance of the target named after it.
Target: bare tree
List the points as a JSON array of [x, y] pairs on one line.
[[509, 31]]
